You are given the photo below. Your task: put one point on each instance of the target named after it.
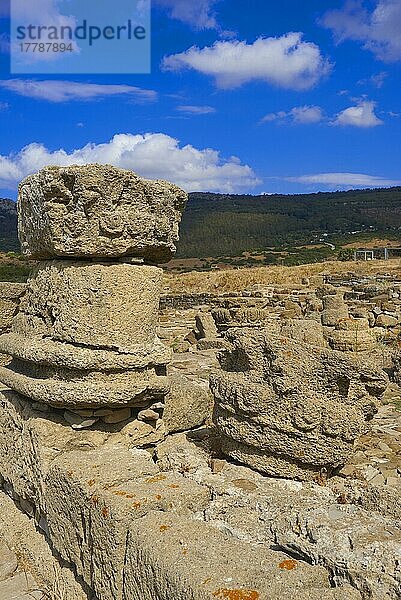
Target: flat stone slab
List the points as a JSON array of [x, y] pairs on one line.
[[98, 211]]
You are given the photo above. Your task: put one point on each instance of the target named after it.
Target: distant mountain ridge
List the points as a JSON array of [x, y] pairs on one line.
[[228, 224]]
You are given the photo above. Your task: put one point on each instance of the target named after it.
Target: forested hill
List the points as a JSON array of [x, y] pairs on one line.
[[8, 225], [227, 225]]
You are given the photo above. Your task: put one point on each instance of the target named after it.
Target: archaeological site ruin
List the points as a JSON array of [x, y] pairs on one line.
[[210, 446]]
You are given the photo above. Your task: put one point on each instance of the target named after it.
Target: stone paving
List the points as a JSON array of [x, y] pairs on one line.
[[377, 455]]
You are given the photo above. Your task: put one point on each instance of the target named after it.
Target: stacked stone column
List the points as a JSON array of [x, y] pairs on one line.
[[85, 337]]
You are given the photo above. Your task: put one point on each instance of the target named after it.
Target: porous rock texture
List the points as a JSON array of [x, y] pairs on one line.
[[85, 336], [291, 410], [136, 527], [86, 333], [98, 211], [10, 297]]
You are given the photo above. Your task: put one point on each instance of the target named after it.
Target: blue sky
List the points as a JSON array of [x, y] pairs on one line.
[[244, 97]]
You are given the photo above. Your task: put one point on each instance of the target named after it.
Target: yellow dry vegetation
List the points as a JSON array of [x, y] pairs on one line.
[[235, 280]]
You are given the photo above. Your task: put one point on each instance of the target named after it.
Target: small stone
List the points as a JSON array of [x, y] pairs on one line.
[[157, 406], [386, 472], [245, 484], [217, 465], [78, 422], [378, 480], [384, 320], [370, 473], [347, 471], [191, 338], [82, 412], [148, 415], [384, 447], [117, 416], [359, 458], [103, 412]]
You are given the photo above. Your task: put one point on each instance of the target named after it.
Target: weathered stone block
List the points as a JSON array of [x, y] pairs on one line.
[[331, 318], [351, 341], [306, 331], [188, 404], [85, 336], [98, 211], [176, 558], [108, 306], [291, 410], [205, 325]]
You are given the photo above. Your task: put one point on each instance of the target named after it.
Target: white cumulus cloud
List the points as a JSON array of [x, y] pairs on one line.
[[285, 61], [153, 155], [361, 115], [64, 91], [378, 29], [199, 14], [345, 180], [300, 115]]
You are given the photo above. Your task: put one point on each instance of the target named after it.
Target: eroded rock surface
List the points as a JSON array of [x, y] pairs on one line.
[[290, 410], [85, 337], [98, 210]]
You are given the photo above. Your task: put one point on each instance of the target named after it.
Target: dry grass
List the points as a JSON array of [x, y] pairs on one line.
[[239, 279]]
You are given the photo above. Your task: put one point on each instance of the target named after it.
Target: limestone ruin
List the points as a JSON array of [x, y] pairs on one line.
[[107, 444], [290, 410], [85, 337]]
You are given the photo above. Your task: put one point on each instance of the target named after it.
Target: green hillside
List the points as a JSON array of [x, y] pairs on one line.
[[216, 225], [8, 226], [224, 225]]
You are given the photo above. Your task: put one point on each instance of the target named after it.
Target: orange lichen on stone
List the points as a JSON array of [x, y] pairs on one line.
[[95, 500], [120, 493], [226, 594], [158, 497], [288, 564], [105, 512], [156, 478], [173, 486], [91, 482], [136, 505], [164, 527]]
